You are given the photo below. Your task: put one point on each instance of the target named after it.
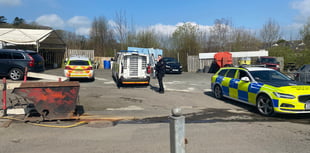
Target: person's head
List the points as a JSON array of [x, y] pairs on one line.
[[159, 57]]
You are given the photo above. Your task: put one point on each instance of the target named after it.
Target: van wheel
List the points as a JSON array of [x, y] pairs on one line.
[[264, 105], [16, 74]]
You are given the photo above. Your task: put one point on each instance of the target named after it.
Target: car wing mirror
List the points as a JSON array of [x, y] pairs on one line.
[[246, 79]]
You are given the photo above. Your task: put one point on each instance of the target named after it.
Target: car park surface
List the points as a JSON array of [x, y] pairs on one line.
[[211, 125]]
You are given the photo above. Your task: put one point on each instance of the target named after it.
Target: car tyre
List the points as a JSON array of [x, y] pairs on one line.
[[218, 93], [16, 74], [264, 105]]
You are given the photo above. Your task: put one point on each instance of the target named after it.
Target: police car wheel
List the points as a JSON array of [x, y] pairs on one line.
[[264, 105], [218, 92]]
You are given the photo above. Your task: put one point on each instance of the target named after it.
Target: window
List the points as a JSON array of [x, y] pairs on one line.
[[78, 62], [231, 73], [222, 72], [242, 74], [18, 56], [269, 76], [5, 55]]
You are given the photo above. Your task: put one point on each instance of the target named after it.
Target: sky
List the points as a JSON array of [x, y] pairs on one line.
[[163, 15]]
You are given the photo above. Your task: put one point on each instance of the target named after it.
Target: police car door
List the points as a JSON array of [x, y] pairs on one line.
[[243, 86], [232, 83]]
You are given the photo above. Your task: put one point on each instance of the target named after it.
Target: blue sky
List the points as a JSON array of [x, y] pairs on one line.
[[77, 15]]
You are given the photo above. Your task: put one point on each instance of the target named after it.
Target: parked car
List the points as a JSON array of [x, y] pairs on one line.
[[267, 89], [13, 63], [79, 67], [269, 62], [303, 74], [172, 65]]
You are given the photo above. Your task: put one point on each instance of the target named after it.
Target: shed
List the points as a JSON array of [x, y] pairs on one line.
[[46, 42]]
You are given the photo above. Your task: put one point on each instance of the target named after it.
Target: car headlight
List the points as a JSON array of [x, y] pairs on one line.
[[181, 66], [167, 66], [282, 95]]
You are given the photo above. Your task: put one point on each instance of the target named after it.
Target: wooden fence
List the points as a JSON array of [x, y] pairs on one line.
[[194, 64]]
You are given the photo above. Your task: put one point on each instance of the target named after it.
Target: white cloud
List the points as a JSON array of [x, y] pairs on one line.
[[83, 31], [81, 24], [51, 20], [10, 2], [304, 9], [79, 21], [169, 29], [303, 6], [163, 29]]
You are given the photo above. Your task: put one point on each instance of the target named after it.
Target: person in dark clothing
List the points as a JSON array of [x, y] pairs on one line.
[[160, 68]]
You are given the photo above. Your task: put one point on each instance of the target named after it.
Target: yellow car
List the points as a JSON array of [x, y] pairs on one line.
[[79, 67], [267, 89]]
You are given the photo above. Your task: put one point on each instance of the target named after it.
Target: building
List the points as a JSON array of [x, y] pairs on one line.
[[45, 42]]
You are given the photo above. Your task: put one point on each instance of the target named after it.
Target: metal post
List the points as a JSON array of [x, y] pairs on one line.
[[177, 131], [25, 74], [4, 98]]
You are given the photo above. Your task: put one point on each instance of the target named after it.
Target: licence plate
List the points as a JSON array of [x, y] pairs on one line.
[[175, 70]]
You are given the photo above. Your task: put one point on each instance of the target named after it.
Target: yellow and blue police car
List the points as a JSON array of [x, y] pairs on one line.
[[79, 67], [267, 89]]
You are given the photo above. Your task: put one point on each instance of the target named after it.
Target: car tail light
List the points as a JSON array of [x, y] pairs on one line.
[[149, 69], [89, 68], [31, 62], [68, 68]]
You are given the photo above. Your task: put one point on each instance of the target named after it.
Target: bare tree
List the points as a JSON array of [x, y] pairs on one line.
[[219, 36], [305, 34], [101, 37], [147, 39], [270, 32], [243, 40], [121, 28], [185, 42]]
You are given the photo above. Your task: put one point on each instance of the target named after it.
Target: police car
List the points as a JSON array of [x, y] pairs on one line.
[[79, 67], [267, 89]]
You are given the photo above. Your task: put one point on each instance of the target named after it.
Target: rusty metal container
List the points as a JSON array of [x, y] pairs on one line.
[[53, 100]]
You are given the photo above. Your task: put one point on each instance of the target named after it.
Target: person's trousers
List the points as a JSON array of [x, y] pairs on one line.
[[160, 82]]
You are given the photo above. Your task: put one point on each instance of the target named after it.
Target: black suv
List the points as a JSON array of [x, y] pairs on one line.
[[13, 63], [172, 65]]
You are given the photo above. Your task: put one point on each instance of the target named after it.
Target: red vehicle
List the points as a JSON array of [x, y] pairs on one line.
[[269, 62], [221, 59]]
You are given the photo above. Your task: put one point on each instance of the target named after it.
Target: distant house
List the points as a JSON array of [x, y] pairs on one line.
[[45, 42]]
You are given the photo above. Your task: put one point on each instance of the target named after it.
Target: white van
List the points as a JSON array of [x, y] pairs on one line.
[[130, 67]]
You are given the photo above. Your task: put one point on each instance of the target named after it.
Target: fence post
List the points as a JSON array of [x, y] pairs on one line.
[[177, 131], [4, 98]]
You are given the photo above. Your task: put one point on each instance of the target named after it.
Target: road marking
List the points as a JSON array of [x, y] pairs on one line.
[[101, 79], [207, 90], [110, 82], [132, 107]]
